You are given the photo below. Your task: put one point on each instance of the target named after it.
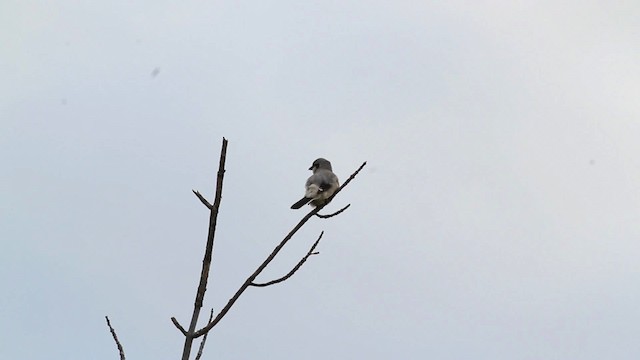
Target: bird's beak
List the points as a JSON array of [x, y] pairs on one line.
[[311, 168]]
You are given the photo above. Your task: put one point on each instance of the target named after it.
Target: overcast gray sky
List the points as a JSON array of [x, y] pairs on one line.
[[498, 216]]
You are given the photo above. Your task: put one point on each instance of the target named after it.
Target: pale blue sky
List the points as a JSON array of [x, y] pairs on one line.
[[498, 217]]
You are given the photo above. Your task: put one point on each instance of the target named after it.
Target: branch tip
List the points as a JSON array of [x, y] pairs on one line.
[[204, 339], [115, 338], [202, 199], [334, 214], [177, 324]]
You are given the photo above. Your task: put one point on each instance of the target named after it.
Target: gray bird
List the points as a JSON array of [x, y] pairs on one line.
[[320, 186]]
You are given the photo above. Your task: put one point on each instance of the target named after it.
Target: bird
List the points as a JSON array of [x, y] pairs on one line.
[[319, 186]]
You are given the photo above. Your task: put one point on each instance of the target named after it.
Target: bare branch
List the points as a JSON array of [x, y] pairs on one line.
[[295, 268], [252, 277], [115, 338], [334, 214], [204, 339], [177, 324], [202, 199], [264, 264], [206, 261]]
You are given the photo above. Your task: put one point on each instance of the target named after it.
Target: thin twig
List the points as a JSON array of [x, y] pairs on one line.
[[202, 199], [115, 338], [295, 268], [177, 324], [334, 214], [264, 264], [204, 339]]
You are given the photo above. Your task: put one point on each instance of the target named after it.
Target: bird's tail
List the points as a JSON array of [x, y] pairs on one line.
[[302, 202]]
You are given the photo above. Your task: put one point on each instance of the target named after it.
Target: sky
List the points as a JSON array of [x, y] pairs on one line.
[[497, 217]]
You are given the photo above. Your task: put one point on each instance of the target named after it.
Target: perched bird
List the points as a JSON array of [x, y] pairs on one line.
[[320, 186]]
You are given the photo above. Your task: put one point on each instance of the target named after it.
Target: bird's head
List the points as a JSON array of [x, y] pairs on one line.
[[320, 164]]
